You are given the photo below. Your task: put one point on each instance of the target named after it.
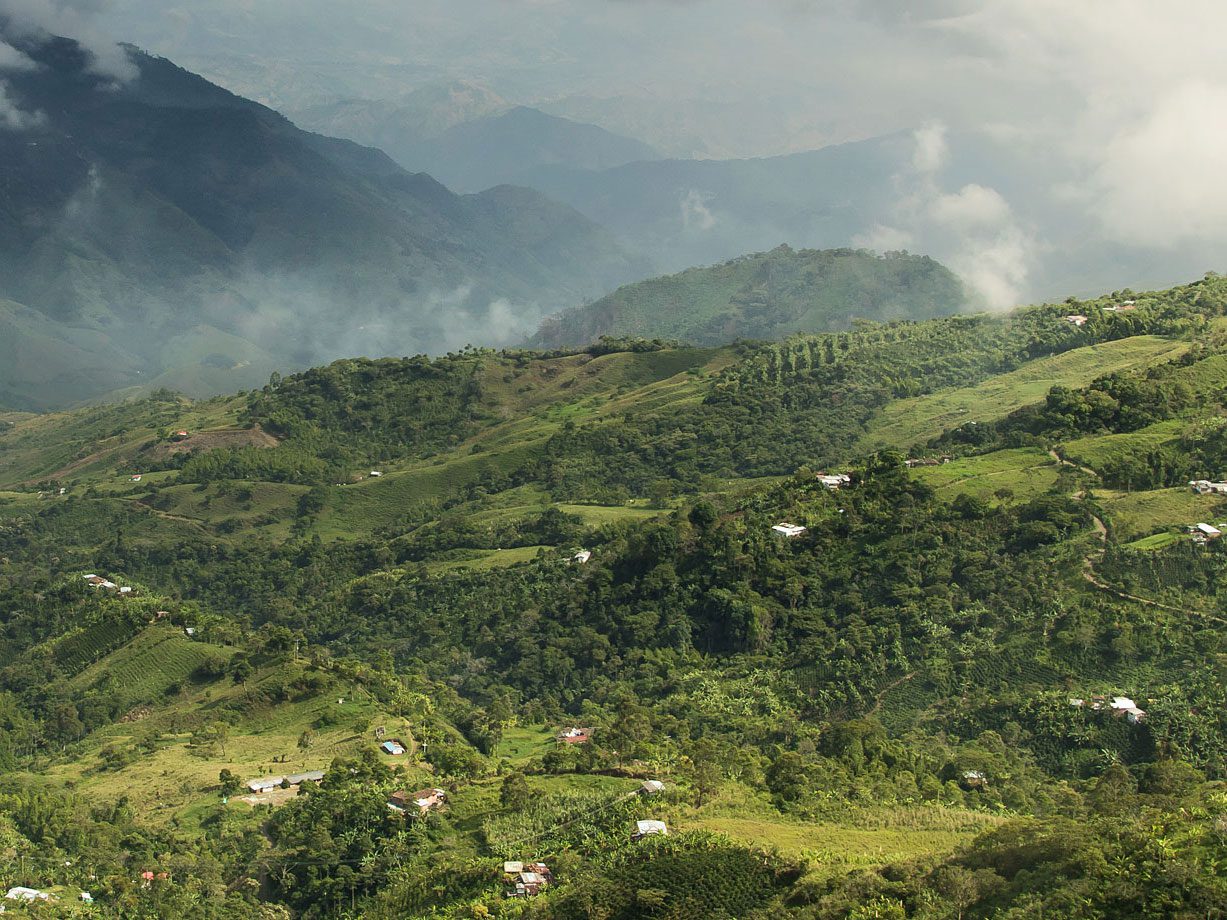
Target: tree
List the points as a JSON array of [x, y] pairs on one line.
[[958, 886], [219, 734], [230, 782], [705, 773], [515, 792], [66, 722], [456, 760]]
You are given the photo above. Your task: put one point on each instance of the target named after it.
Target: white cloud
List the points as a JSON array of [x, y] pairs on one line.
[[973, 206], [931, 148], [1160, 182], [12, 59], [696, 215], [973, 230], [77, 19]]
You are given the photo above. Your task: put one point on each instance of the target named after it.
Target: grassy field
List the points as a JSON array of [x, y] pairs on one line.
[[1025, 472], [165, 757], [1155, 541], [874, 837], [158, 658], [1139, 514], [911, 421], [524, 742], [484, 560], [357, 509], [268, 507], [1105, 450], [837, 848]]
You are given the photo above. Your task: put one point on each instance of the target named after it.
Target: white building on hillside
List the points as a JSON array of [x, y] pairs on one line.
[[784, 529], [1206, 487]]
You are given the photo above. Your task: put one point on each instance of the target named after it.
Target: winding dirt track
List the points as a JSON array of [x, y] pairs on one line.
[[1088, 564]]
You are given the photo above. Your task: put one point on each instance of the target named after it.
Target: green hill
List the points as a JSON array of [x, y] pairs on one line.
[[906, 708], [770, 295]]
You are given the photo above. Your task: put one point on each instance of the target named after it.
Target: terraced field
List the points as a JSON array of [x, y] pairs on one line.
[[160, 657]]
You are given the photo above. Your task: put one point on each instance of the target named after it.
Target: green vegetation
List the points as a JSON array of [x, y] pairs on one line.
[[910, 421], [871, 719], [769, 295]]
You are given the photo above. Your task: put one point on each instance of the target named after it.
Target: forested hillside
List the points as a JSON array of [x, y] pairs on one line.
[[765, 296], [981, 677], [161, 231]]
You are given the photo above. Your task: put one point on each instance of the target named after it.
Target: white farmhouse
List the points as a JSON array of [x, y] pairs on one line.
[[784, 529]]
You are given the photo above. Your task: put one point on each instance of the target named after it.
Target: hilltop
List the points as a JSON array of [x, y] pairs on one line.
[[769, 295], [993, 645]]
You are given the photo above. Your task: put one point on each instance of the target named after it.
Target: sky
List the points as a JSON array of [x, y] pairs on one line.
[[1126, 94], [1117, 102]]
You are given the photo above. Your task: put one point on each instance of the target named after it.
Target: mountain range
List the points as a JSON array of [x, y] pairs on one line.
[[158, 230], [469, 138]]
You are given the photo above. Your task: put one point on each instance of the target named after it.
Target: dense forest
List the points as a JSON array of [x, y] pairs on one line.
[[910, 705]]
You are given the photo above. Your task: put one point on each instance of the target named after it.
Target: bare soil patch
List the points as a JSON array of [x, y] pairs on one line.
[[217, 438]]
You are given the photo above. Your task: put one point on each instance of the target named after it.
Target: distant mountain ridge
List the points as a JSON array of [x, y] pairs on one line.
[[768, 295], [166, 209], [470, 139]]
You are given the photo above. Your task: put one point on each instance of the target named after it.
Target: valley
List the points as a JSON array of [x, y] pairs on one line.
[[473, 554]]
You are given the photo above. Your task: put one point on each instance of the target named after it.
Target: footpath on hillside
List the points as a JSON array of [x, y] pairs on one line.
[[1101, 532]]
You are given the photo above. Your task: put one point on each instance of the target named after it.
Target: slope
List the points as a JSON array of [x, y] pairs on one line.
[[924, 677], [468, 140], [764, 296], [138, 211]]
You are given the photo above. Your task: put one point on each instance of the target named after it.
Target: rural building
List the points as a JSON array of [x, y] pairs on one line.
[[1204, 533], [974, 779], [529, 879], [269, 783], [651, 787], [576, 736], [784, 529], [392, 747], [649, 829], [1127, 306], [180, 435], [97, 581], [1076, 319], [582, 557], [422, 801], [1123, 706], [136, 477], [21, 893], [1207, 487], [835, 481], [376, 473]]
